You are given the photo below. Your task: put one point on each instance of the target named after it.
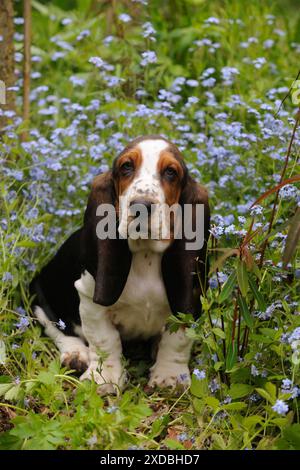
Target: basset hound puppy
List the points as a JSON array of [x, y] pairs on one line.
[[122, 287]]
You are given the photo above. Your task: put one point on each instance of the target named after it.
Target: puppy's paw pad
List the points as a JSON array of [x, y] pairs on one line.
[[77, 360], [176, 378]]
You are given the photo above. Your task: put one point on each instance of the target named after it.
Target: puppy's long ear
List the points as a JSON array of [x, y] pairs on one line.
[[181, 267], [108, 260]]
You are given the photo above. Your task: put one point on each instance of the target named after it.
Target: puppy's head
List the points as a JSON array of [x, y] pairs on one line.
[[149, 176]]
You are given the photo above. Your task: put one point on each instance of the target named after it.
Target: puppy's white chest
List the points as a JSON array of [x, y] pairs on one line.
[[143, 307]]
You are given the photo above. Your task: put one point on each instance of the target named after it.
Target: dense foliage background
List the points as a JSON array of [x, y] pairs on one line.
[[210, 76]]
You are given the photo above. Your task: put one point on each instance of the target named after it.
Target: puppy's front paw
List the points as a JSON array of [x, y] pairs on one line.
[[170, 375], [110, 378], [77, 359]]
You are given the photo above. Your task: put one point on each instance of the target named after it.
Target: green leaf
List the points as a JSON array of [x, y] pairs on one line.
[[256, 271], [46, 378], [266, 395], [38, 432], [212, 402], [271, 389], [242, 277], [245, 311], [231, 356], [40, 8], [258, 297], [219, 442], [5, 379], [219, 332], [240, 390], [218, 365], [199, 388], [173, 444], [262, 339], [29, 386], [293, 237], [269, 332], [292, 436], [227, 288], [198, 406], [290, 439], [26, 244], [84, 5], [210, 342], [13, 393], [9, 442], [159, 425], [237, 405], [251, 421], [4, 388], [281, 422], [3, 356]]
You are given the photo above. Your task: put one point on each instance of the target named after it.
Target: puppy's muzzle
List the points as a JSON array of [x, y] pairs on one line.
[[142, 207]]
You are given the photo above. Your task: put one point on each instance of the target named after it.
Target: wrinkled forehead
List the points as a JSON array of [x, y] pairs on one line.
[[150, 166], [151, 151], [149, 154]]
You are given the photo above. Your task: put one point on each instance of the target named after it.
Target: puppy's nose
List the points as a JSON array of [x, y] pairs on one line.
[[142, 204]]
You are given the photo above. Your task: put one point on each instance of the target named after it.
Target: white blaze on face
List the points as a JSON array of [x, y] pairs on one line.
[[146, 184]]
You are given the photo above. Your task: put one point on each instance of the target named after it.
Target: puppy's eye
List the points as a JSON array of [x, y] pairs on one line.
[[170, 173], [127, 168]]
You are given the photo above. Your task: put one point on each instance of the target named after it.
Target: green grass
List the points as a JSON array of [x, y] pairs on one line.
[[247, 339]]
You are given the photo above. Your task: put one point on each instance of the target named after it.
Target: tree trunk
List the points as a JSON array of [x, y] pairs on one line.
[[7, 59]]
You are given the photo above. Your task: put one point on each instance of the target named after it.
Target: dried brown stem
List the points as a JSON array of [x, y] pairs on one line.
[[265, 244], [7, 62], [26, 64], [245, 341], [214, 245]]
